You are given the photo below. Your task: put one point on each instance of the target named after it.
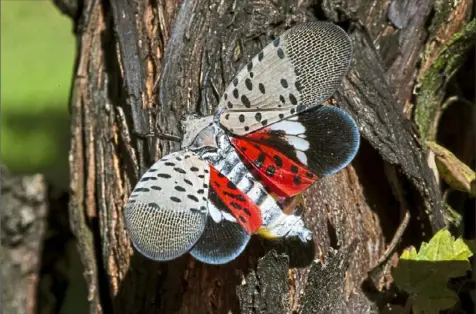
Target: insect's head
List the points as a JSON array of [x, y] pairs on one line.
[[197, 131]]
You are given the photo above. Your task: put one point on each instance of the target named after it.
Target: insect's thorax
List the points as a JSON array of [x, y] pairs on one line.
[[213, 145]]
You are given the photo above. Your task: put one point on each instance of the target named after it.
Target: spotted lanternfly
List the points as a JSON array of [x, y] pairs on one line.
[[272, 137]]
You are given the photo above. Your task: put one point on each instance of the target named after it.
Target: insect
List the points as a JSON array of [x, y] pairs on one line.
[[271, 138]]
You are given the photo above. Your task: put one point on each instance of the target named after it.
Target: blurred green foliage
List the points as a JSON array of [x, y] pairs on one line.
[[37, 55]]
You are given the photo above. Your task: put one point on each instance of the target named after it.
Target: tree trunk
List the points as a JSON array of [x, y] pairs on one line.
[[354, 215], [24, 211]]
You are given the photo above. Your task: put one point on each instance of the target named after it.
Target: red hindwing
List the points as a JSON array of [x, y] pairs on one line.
[[280, 174], [245, 211]]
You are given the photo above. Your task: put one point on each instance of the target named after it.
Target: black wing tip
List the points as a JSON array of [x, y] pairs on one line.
[[352, 143], [213, 247]]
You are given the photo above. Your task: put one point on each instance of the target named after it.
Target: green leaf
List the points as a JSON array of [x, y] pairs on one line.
[[425, 274]]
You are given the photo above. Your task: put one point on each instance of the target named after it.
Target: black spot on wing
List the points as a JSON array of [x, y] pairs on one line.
[[294, 169], [235, 205], [270, 171], [260, 160], [193, 197], [180, 170], [297, 180], [148, 179], [245, 101], [141, 190], [278, 161], [175, 199], [164, 175], [284, 83], [248, 84], [261, 88]]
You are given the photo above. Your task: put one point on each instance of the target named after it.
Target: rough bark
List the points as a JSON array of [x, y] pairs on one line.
[[23, 212], [117, 98]]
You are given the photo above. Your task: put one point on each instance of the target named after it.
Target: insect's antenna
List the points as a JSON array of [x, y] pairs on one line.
[[163, 136], [169, 137]]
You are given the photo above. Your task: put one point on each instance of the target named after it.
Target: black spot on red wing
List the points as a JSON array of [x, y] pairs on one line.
[[236, 205], [220, 175], [245, 101], [243, 219], [235, 93], [179, 188], [194, 169], [240, 197], [260, 160], [284, 83], [230, 185], [193, 197], [294, 169], [247, 211], [175, 199], [216, 184], [309, 175], [164, 175], [280, 53], [278, 161], [270, 171], [297, 180]]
